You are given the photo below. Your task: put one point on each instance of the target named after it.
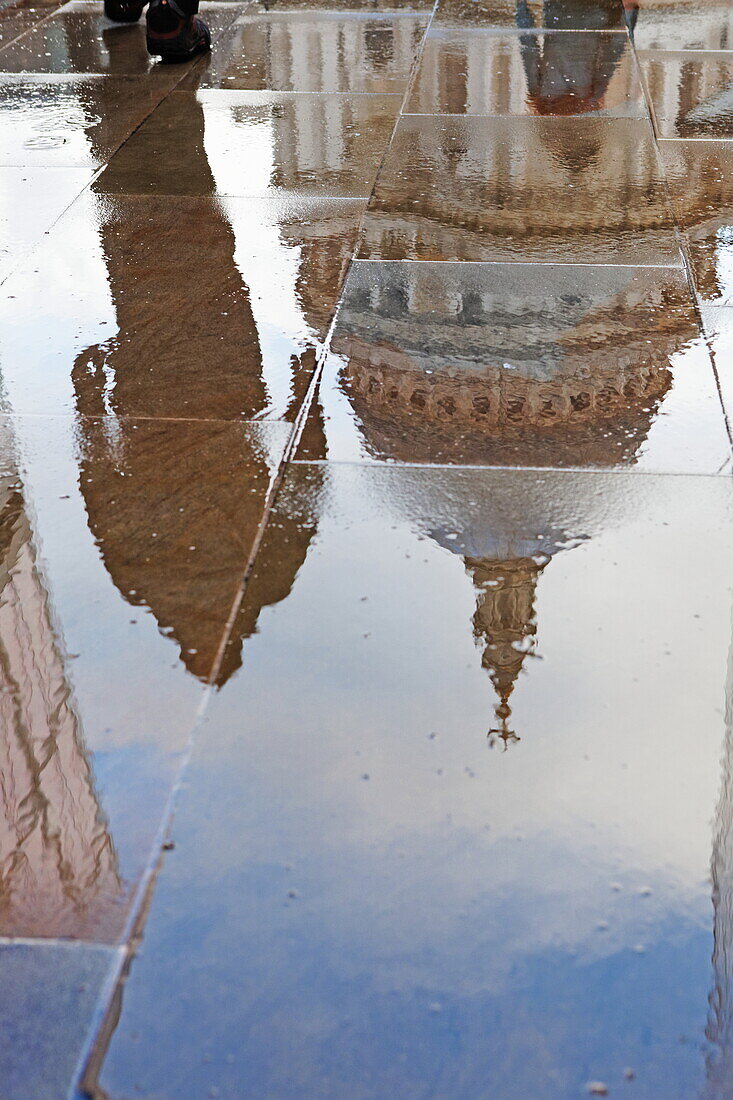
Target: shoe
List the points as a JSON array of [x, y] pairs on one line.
[[173, 35], [123, 11]]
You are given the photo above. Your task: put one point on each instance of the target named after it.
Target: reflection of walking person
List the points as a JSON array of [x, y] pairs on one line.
[[174, 31], [563, 79]]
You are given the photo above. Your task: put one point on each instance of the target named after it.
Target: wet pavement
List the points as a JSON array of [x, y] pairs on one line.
[[366, 527]]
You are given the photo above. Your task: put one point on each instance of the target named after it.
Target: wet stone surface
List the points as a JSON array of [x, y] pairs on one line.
[[476, 72], [571, 15], [268, 142], [242, 341], [681, 24], [365, 535], [690, 93], [497, 189], [701, 185], [49, 998], [499, 365], [146, 529], [316, 51], [474, 853]]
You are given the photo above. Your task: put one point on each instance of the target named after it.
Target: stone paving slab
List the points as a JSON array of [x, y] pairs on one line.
[[467, 188], [445, 739], [514, 364], [364, 901], [681, 24], [50, 996], [320, 145], [277, 50], [112, 528], [131, 334], [671, 77], [469, 71]]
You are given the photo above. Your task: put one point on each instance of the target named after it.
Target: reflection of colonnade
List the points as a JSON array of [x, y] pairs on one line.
[[58, 867], [321, 51]]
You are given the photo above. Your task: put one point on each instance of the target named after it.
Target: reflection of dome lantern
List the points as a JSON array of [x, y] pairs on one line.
[[504, 567]]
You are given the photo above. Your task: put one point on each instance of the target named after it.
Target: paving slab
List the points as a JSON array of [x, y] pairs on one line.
[[131, 333], [701, 186], [31, 201], [478, 72], [519, 364], [17, 19], [582, 190], [70, 121], [50, 995], [681, 24], [529, 15], [267, 142], [441, 835], [123, 548], [316, 51], [690, 93]]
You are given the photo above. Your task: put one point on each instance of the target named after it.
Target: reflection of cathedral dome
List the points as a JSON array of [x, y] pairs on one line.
[[493, 381]]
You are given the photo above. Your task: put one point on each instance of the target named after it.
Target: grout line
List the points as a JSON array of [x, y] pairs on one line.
[[518, 263], [474, 468]]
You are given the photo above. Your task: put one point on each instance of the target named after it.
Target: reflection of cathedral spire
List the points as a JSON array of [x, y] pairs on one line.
[[720, 1017], [58, 868], [505, 624]]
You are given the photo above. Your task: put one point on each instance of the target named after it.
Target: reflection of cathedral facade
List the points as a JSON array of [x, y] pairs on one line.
[[58, 868], [508, 370]]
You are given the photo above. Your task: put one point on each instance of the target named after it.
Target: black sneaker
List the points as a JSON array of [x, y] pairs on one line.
[[173, 35], [123, 11]]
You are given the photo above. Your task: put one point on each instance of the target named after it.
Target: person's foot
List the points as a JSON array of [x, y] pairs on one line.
[[173, 35], [123, 11]]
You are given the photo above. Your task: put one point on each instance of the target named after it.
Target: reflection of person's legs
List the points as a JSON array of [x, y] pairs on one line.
[[174, 30]]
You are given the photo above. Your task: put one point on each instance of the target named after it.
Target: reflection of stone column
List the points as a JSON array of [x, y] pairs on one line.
[[719, 1030], [58, 869]]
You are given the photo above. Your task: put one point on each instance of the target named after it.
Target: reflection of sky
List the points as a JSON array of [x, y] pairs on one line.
[[466, 922]]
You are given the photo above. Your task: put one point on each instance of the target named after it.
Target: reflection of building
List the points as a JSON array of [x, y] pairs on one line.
[[507, 366], [175, 498], [58, 868], [319, 51], [692, 91], [521, 369]]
